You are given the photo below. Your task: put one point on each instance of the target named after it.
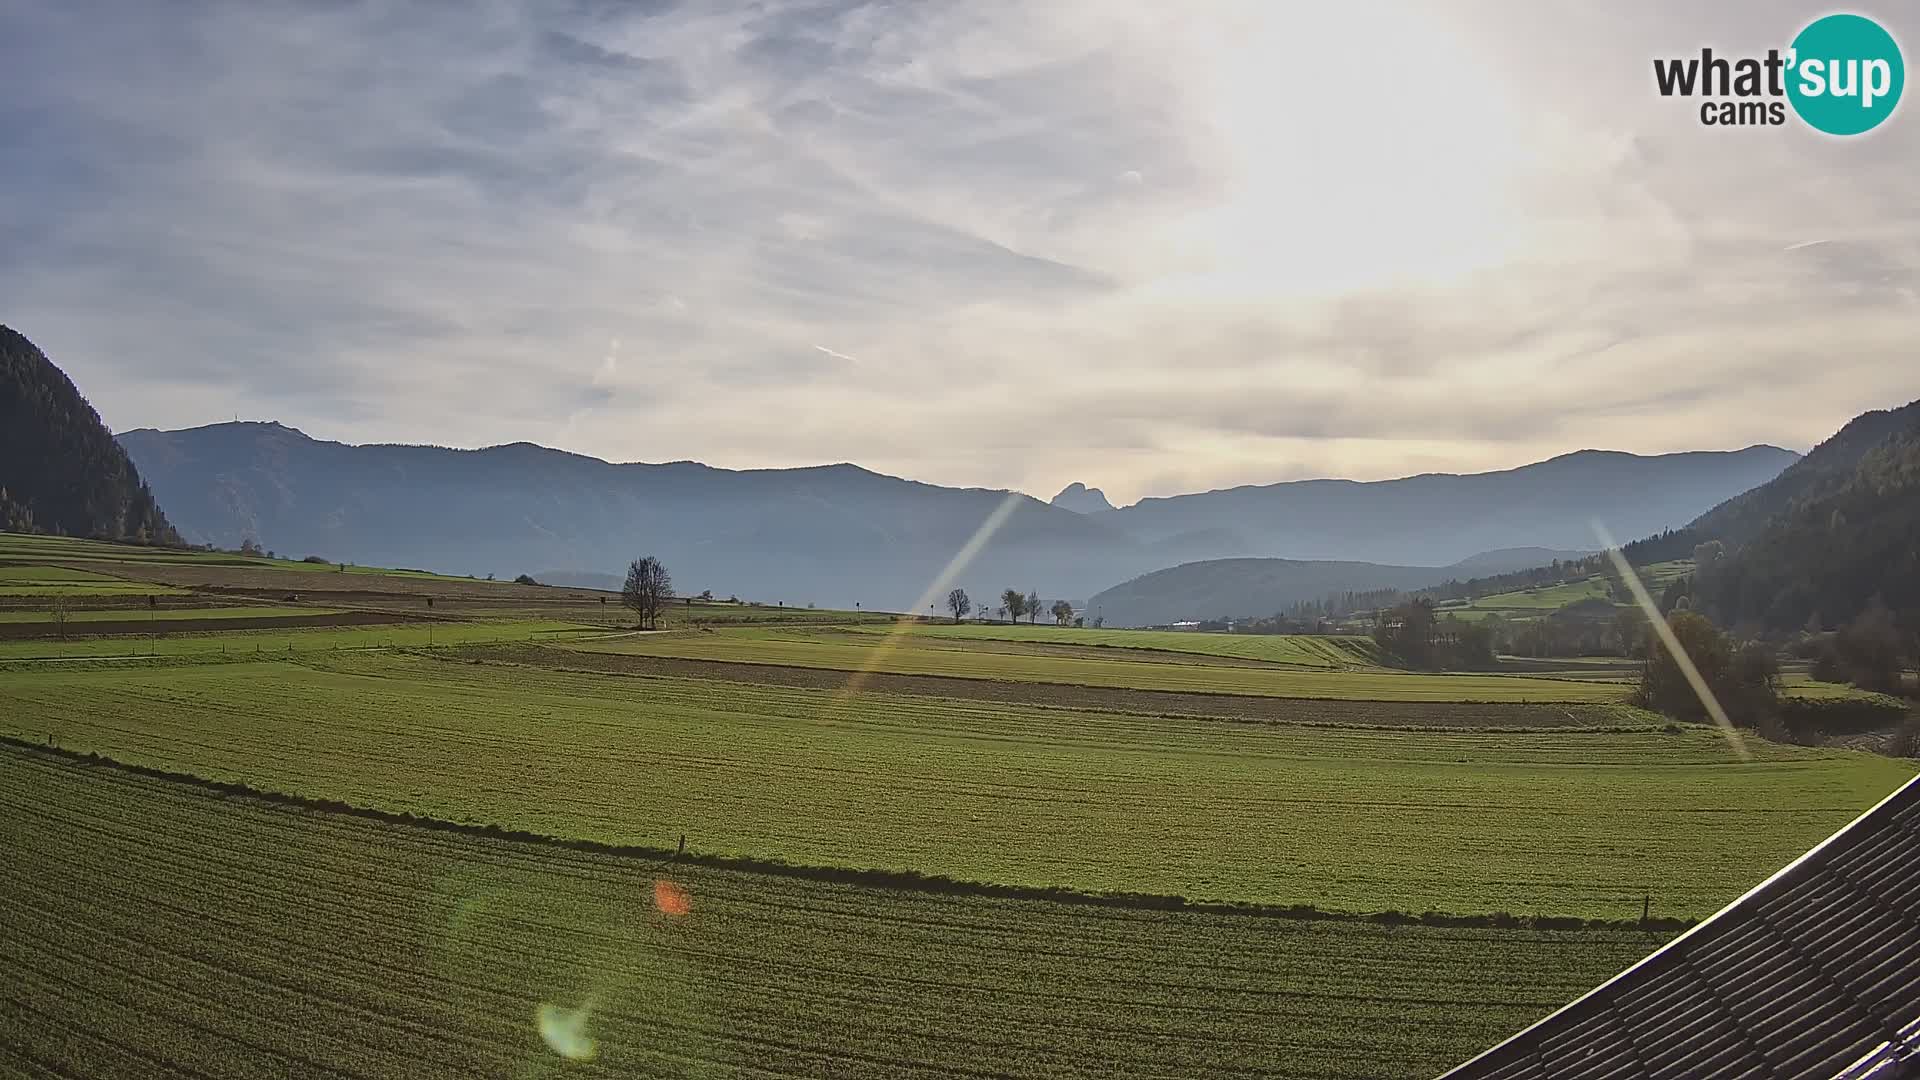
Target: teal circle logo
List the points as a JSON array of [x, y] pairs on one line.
[[1846, 74]]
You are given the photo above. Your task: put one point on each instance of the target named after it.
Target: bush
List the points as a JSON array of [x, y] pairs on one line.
[[525, 579], [317, 559]]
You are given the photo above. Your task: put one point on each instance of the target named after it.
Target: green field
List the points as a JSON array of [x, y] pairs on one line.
[[916, 652], [1625, 673], [300, 640], [1291, 649], [43, 580], [1523, 604], [1557, 823], [1226, 813], [1803, 686], [162, 615], [180, 934], [62, 550]]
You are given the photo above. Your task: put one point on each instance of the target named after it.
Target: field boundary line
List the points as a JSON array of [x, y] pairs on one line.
[[1227, 692], [1654, 722], [904, 880]]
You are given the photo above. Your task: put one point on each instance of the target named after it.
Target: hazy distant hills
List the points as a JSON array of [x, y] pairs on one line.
[[1240, 588], [839, 534], [1505, 559], [830, 534], [1441, 518], [60, 469]]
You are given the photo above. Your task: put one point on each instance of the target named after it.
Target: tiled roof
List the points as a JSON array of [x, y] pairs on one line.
[[1813, 973]]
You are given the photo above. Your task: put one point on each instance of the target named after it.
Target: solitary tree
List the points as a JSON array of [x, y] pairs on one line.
[[1062, 612], [959, 603], [1013, 604], [1033, 604], [648, 587]]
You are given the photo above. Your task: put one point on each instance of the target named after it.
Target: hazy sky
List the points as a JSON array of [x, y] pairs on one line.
[[1154, 247]]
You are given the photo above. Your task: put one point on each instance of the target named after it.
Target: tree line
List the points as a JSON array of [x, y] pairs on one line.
[[1414, 633], [1013, 605]]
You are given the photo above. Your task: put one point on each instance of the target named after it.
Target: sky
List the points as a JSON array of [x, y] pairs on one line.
[[1151, 247]]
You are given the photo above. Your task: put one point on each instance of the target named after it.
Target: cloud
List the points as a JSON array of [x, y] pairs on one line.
[[1116, 243]]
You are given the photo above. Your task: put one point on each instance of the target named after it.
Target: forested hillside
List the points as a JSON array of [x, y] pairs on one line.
[[60, 469], [1841, 541], [1826, 468]]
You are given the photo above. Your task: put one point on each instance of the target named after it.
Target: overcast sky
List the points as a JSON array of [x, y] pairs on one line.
[[1153, 247]]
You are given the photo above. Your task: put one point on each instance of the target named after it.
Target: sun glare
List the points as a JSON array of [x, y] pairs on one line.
[[1343, 168]]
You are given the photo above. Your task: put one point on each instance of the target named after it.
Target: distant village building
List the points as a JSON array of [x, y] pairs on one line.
[[1185, 624]]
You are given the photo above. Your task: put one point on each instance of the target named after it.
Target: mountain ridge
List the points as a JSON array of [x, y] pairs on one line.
[[1081, 499], [834, 534]]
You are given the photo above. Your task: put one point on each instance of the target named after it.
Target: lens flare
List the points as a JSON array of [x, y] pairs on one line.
[[671, 899], [943, 580], [1672, 643], [565, 1030]]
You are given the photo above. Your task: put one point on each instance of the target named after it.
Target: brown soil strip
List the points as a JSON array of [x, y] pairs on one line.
[[1419, 714]]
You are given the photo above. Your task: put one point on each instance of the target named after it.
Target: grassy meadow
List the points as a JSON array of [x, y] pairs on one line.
[[1582, 823], [1521, 605], [343, 947], [1291, 649], [919, 651], [913, 848]]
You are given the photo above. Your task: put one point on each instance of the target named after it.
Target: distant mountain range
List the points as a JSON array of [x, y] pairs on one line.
[[1441, 518], [60, 469], [840, 534], [1817, 544]]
